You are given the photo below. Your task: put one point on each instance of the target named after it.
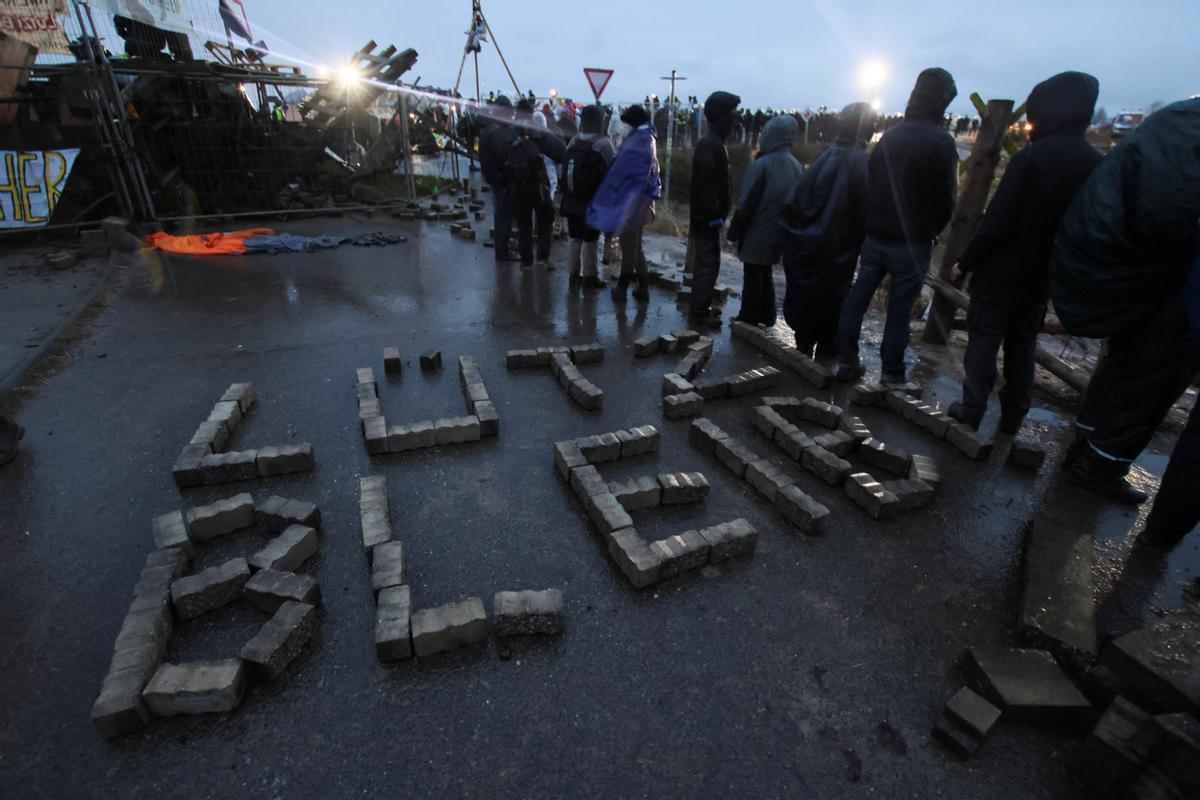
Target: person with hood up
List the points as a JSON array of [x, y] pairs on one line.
[[494, 139], [709, 201], [912, 181], [1008, 258], [589, 156], [624, 203], [824, 222], [1120, 264], [755, 226], [529, 182]]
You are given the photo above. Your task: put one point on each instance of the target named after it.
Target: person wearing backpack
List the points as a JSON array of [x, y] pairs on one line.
[[756, 223], [529, 184], [1008, 258], [624, 203], [589, 155], [824, 222], [1120, 264]]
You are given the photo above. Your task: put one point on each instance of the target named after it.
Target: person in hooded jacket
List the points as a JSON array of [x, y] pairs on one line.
[[530, 188], [495, 137], [624, 203], [709, 201], [824, 224], [912, 181], [1008, 258], [1120, 264], [755, 226], [588, 158]]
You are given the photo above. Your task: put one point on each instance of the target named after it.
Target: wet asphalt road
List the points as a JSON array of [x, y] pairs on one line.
[[812, 669]]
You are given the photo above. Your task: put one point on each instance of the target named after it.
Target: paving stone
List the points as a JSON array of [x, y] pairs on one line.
[[366, 375], [268, 589], [640, 440], [677, 406], [391, 360], [236, 465], [923, 468], [522, 359], [221, 517], [1027, 685], [683, 487], [745, 383], [287, 551], [171, 531], [703, 345], [418, 435], [703, 433], [1058, 607], [587, 482], [855, 428], [475, 392], [711, 388], [839, 443], [1027, 454], [1176, 750], [970, 442], [870, 495], [280, 640], [690, 366], [561, 365], [866, 394], [767, 478], [211, 434], [375, 526], [911, 493], [633, 557], [369, 408], [733, 454], [680, 553], [637, 494], [176, 558], [145, 628], [567, 456], [241, 393], [667, 343], [972, 713], [798, 508], [152, 585], [587, 353], [199, 687], [387, 566], [830, 468], [686, 338], [457, 430], [875, 453], [187, 470], [193, 595], [1152, 784], [586, 394], [607, 513], [793, 442], [277, 513], [546, 353], [728, 540], [528, 612], [1107, 761], [936, 422], [645, 346], [393, 624], [431, 361], [285, 459], [600, 447], [826, 415], [784, 405], [435, 630], [227, 413], [767, 421], [954, 737], [1158, 662], [119, 708], [673, 383]]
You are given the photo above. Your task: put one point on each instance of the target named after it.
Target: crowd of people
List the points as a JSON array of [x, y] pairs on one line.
[[1111, 239]]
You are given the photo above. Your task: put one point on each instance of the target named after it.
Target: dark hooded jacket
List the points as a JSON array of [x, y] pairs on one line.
[[765, 186], [1127, 241], [709, 195], [913, 171], [495, 140], [1009, 255], [824, 235]]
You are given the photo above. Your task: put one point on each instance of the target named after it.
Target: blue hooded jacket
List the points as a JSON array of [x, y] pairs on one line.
[[623, 200]]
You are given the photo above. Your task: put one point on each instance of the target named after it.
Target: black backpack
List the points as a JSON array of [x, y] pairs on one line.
[[524, 167], [583, 170]]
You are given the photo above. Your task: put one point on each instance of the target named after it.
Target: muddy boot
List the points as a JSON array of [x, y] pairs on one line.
[[1098, 474], [575, 261], [619, 288], [956, 412], [1074, 449], [591, 278], [10, 434]]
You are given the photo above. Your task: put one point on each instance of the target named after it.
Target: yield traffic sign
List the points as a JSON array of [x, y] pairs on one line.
[[597, 79]]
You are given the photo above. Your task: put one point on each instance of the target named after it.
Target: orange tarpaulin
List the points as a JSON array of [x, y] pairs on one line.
[[206, 244]]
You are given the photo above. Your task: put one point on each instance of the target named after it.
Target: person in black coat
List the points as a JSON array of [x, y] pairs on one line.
[[1008, 258], [710, 201], [495, 140], [825, 219], [912, 180]]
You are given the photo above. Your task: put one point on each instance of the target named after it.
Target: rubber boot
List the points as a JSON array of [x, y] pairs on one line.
[[574, 261], [1102, 476]]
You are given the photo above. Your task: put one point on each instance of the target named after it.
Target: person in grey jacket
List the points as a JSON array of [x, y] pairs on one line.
[[756, 225]]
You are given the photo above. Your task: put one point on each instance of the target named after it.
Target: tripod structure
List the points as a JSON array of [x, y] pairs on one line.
[[477, 34]]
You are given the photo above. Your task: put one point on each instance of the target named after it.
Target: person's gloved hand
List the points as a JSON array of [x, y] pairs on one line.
[[717, 223]]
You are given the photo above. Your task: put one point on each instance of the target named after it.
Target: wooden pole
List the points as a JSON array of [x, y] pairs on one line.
[[972, 199]]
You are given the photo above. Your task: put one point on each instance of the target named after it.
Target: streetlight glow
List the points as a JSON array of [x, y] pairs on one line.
[[872, 74]]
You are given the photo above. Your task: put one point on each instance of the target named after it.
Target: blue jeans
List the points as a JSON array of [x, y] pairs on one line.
[[502, 211], [907, 265]]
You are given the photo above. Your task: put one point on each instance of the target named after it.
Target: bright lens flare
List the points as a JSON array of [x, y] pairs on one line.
[[872, 73], [348, 76], [877, 104]]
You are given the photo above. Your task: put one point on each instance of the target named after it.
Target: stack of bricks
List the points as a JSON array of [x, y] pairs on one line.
[[799, 363], [475, 392], [901, 402], [204, 460], [381, 438], [564, 363], [393, 599], [608, 506]]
